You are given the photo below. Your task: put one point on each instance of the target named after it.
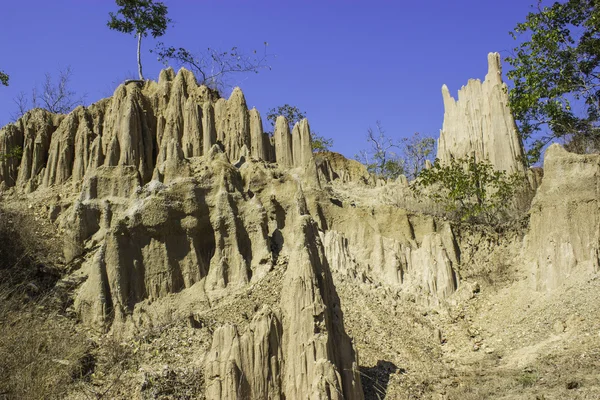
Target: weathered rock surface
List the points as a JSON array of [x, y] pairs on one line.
[[139, 126], [283, 143], [208, 244], [480, 123], [300, 351], [209, 232], [32, 134], [334, 166], [247, 366], [397, 250], [169, 194], [564, 232]]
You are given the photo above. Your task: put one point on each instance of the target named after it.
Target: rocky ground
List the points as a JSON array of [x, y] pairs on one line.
[[495, 338]]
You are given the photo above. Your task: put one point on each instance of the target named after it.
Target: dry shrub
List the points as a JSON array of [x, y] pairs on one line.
[[39, 355], [171, 384], [40, 352], [25, 257]]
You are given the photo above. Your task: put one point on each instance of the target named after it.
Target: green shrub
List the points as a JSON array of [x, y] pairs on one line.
[[13, 153], [528, 378], [469, 190]]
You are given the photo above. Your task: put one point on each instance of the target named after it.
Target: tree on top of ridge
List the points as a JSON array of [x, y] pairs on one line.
[[140, 17]]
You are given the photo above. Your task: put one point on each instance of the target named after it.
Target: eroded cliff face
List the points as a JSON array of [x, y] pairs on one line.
[[141, 125], [171, 202], [564, 231], [167, 195], [480, 123], [401, 251], [164, 190], [118, 155]]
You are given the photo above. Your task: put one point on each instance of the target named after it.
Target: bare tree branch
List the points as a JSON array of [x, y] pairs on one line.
[[22, 102], [56, 96], [214, 67], [380, 159]]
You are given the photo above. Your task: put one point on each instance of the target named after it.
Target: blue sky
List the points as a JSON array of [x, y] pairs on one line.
[[346, 63]]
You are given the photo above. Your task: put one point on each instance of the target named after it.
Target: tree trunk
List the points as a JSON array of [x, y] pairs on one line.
[[139, 56]]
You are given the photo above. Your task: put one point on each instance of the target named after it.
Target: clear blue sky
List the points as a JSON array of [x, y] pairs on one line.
[[346, 63]]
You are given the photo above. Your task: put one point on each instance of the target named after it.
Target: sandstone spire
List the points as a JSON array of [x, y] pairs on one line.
[[283, 142], [209, 133], [258, 148], [480, 122], [301, 144], [137, 127]]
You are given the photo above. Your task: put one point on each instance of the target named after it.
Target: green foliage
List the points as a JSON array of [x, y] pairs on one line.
[[528, 378], [213, 67], [468, 189], [14, 153], [556, 76], [294, 115], [4, 78], [320, 143], [141, 17]]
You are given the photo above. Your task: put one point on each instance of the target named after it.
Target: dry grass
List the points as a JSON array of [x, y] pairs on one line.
[[39, 355], [40, 352]]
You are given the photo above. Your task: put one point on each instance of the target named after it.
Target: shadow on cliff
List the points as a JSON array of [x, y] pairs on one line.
[[375, 379]]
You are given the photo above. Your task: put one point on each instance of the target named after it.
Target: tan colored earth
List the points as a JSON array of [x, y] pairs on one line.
[[159, 245]]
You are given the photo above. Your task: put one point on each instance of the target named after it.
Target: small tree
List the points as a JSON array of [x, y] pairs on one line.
[[13, 153], [416, 150], [381, 158], [294, 115], [320, 143], [214, 67], [56, 96], [140, 17], [4, 78], [468, 189], [390, 158]]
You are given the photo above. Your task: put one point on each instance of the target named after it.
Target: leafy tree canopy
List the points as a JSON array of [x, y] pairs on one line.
[[292, 113], [3, 78], [556, 76], [140, 17]]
